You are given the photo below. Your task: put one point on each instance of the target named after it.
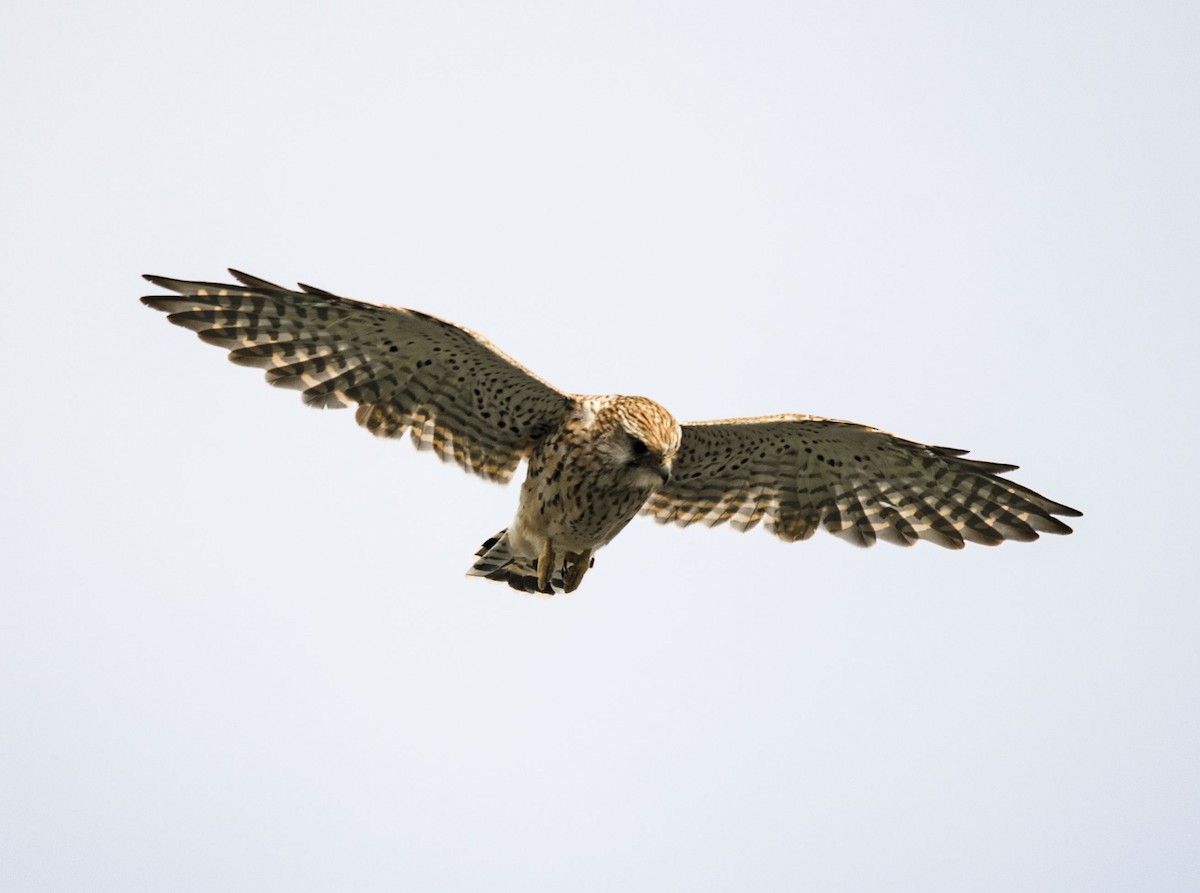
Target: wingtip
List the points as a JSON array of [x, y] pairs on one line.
[[154, 301], [254, 282]]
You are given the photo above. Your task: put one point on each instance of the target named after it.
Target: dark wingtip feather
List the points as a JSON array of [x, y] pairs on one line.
[[313, 290], [253, 281], [1059, 527], [160, 281]]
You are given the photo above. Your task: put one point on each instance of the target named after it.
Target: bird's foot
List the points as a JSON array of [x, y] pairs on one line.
[[575, 566]]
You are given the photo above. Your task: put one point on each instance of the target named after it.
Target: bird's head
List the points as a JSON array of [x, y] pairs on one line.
[[646, 439]]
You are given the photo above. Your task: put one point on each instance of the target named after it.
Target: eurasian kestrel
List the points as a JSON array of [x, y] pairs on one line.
[[596, 461]]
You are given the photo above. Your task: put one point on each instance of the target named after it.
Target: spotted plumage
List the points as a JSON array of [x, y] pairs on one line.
[[596, 461]]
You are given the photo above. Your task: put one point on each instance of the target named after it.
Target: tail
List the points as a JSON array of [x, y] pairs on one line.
[[497, 562]]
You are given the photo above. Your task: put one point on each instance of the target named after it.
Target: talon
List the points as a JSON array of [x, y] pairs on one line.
[[545, 567], [577, 565]]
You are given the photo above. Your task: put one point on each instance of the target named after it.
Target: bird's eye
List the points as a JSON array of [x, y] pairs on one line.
[[638, 446]]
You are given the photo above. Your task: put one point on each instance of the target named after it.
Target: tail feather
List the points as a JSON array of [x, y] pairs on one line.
[[496, 561]]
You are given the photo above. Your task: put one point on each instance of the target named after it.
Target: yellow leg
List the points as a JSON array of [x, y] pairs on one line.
[[577, 565], [546, 567]]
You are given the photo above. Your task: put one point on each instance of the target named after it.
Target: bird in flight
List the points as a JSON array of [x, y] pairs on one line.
[[595, 461]]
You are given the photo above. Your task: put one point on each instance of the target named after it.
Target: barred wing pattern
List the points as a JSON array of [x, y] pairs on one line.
[[406, 371], [796, 473]]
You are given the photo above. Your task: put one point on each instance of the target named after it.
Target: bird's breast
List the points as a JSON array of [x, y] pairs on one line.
[[577, 500]]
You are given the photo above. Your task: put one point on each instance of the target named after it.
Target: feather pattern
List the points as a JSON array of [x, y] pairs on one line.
[[449, 388], [796, 473]]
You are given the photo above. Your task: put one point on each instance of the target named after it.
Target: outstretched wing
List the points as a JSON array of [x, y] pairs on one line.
[[797, 473], [405, 370]]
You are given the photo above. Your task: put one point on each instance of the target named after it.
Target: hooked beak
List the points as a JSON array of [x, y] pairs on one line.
[[655, 463], [664, 470]]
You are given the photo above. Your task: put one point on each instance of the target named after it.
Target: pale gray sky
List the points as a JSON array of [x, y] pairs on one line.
[[238, 651]]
